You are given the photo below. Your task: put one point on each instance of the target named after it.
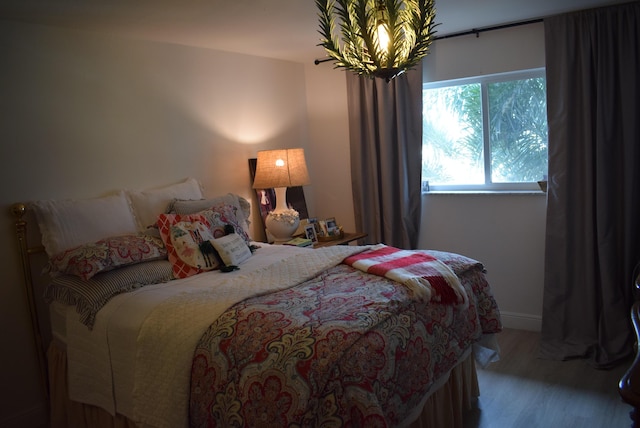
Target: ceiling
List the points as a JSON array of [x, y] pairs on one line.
[[283, 29]]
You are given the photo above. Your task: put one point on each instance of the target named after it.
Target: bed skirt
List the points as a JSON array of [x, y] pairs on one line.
[[444, 408]]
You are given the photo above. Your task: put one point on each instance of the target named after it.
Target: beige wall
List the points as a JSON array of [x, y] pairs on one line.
[[329, 150], [503, 231]]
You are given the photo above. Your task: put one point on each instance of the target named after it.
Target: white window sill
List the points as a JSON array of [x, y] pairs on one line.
[[484, 192]]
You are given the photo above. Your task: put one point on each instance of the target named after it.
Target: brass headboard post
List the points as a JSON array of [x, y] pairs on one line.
[[19, 211]]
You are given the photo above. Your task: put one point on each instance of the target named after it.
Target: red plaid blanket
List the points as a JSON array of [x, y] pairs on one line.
[[426, 276]]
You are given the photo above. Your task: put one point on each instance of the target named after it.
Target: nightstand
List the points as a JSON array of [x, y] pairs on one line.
[[345, 240]]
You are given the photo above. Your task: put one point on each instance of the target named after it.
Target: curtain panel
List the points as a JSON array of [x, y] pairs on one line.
[[593, 205], [385, 129]]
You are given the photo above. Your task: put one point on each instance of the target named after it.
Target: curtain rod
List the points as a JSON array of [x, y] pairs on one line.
[[477, 31]]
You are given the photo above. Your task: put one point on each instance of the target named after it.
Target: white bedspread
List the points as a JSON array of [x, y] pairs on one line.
[[137, 359]]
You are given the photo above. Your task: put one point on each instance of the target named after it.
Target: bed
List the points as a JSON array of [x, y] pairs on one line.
[[148, 331]]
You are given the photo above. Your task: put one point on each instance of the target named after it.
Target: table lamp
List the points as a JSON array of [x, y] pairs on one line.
[[279, 169]]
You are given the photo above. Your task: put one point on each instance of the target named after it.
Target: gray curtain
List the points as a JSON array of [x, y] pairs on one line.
[[385, 128], [593, 211]]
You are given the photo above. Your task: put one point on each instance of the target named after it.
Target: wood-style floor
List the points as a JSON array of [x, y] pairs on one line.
[[524, 391]]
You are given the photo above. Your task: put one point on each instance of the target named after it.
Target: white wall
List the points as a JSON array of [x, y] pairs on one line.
[[504, 231]]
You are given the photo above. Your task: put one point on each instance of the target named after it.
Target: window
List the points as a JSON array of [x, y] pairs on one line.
[[485, 133]]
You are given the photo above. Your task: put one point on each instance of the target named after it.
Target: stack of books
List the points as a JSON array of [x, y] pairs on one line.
[[299, 242]]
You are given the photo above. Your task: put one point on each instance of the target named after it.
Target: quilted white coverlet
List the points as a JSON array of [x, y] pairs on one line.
[[137, 359]]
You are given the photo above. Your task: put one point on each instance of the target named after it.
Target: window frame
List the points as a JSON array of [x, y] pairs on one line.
[[488, 185]]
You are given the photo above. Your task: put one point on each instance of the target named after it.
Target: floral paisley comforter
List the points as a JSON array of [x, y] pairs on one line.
[[345, 348]]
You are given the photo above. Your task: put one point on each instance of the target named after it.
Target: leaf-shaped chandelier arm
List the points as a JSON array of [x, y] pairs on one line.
[[330, 41], [390, 16], [423, 23], [365, 19], [354, 47], [409, 26], [327, 26]]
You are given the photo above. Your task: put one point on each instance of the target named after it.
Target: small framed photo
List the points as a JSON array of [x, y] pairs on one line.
[[322, 228], [314, 221], [331, 225], [310, 232]]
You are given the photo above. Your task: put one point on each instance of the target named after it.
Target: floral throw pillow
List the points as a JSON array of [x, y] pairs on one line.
[[86, 260], [221, 215], [187, 239], [181, 269]]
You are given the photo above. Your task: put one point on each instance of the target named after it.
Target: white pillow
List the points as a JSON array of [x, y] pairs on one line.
[[149, 204], [232, 249], [69, 223]]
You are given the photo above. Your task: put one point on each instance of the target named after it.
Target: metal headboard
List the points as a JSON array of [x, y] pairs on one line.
[[19, 210]]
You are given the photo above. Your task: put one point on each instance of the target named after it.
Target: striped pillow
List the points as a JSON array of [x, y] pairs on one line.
[[91, 295]]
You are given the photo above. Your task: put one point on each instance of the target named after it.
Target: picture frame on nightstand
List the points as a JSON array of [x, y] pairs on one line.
[[331, 225], [310, 232]]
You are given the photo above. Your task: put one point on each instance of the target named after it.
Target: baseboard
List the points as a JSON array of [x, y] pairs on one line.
[[521, 321], [35, 417]]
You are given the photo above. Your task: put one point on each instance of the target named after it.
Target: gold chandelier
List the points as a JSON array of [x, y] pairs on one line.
[[380, 38]]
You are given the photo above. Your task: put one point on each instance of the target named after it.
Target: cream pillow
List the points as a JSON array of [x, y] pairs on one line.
[[147, 205], [69, 223], [232, 249]]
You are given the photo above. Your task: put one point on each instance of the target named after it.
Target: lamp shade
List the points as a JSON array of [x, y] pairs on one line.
[[281, 168]]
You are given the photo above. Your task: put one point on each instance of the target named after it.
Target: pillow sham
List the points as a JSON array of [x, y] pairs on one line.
[[232, 249], [243, 214], [187, 239], [87, 260], [180, 268], [222, 215], [90, 296], [69, 223], [148, 204]]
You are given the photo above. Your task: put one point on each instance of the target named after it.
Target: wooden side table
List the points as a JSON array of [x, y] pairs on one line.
[[345, 240]]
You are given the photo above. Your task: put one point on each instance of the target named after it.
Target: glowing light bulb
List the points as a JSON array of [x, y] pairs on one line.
[[383, 36]]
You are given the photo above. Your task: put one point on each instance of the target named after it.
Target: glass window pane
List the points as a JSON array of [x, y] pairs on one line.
[[518, 130], [509, 139], [452, 135]]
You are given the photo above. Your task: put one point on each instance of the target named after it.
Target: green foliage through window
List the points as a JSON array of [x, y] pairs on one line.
[[485, 133]]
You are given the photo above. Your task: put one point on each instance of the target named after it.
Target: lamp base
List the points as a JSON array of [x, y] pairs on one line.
[[282, 227]]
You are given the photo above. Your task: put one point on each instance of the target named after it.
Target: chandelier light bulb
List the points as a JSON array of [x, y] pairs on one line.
[[383, 37]]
